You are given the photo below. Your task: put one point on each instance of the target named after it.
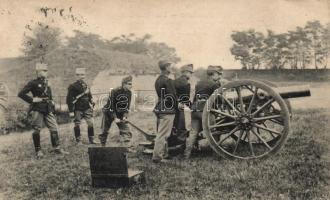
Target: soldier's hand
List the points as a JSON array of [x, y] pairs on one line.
[[124, 119], [36, 99], [117, 120], [71, 114], [181, 106]]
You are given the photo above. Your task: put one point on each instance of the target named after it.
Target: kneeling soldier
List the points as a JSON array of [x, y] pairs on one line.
[[41, 109], [116, 109], [203, 90], [80, 104]]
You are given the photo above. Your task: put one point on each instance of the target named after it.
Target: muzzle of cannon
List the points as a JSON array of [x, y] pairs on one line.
[[286, 92], [249, 119]]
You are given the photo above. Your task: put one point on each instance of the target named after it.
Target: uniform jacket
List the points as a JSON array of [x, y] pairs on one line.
[[182, 87], [84, 102], [167, 98], [203, 90], [118, 102], [39, 88]]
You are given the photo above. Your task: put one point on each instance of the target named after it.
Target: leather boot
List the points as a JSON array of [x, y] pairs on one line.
[[103, 138], [36, 140], [91, 135], [54, 139], [77, 133]]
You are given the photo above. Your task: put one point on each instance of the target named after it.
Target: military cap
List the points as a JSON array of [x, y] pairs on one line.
[[41, 66], [214, 68], [188, 67], [80, 70], [127, 79], [163, 64]]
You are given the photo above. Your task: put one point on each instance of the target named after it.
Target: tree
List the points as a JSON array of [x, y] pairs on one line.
[[43, 40], [326, 43], [276, 50], [248, 48], [85, 40], [161, 51], [132, 44], [314, 32]]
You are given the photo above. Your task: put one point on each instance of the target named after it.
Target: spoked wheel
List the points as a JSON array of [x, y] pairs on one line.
[[246, 120]]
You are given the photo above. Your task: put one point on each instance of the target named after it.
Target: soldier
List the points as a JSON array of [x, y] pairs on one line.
[[165, 110], [182, 87], [116, 109], [41, 109], [203, 90], [80, 104]]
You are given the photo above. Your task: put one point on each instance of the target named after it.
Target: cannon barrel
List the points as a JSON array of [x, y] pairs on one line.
[[285, 92], [293, 91]]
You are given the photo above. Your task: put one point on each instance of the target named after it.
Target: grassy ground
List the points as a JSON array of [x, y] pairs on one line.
[[299, 171]]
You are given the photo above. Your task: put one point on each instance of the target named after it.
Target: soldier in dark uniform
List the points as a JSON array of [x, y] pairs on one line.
[[80, 104], [165, 110], [116, 109], [182, 87], [203, 90], [41, 109]]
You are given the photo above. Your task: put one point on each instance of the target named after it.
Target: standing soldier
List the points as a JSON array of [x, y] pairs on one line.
[[165, 110], [116, 109], [41, 109], [80, 104], [182, 87], [203, 90]]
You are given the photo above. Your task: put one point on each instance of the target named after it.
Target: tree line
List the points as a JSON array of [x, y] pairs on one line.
[[304, 47], [43, 39]]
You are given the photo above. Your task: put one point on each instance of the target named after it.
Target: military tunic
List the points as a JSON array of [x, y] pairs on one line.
[[167, 98], [39, 88]]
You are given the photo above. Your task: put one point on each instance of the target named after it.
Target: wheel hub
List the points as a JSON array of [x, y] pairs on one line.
[[245, 122]]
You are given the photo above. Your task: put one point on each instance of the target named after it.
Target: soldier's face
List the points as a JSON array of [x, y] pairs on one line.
[[169, 68], [188, 74], [128, 86], [42, 73], [216, 76], [80, 76]]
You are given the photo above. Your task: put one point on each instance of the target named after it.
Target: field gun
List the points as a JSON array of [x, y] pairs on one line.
[[247, 119]]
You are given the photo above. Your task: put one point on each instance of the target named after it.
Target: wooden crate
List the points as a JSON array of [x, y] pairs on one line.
[[109, 168]]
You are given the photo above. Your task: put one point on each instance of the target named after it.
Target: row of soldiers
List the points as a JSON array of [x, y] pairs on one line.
[[173, 95]]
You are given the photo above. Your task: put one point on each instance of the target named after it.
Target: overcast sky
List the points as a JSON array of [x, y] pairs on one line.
[[199, 30]]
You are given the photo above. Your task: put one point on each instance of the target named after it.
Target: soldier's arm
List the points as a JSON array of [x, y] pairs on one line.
[[215, 86], [70, 99], [184, 87], [23, 93], [171, 88], [50, 95], [129, 102], [90, 96], [111, 103]]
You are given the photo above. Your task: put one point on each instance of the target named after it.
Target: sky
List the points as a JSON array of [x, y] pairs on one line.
[[199, 29]]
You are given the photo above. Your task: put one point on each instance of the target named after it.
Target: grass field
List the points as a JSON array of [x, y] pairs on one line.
[[299, 171]]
